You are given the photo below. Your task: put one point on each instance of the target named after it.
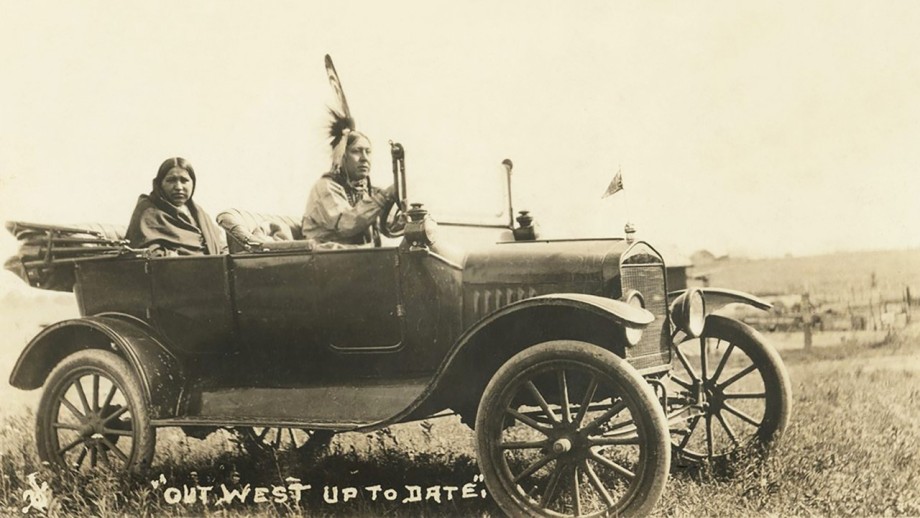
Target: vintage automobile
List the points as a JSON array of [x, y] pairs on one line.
[[581, 374]]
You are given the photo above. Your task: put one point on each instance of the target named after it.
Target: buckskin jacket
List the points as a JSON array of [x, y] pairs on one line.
[[342, 211]]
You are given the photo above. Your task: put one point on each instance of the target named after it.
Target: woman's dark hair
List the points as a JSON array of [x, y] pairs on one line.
[[167, 166]]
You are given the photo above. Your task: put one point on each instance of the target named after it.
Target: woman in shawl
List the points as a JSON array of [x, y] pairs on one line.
[[167, 222]]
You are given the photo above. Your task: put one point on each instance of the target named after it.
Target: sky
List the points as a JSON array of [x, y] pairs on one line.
[[750, 128]]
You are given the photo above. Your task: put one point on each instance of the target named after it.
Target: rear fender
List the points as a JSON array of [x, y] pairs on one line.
[[718, 297], [157, 369]]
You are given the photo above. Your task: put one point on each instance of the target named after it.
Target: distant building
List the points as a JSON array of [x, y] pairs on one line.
[[702, 258], [677, 265]]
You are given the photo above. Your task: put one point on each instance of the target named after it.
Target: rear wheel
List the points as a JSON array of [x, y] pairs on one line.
[[274, 439], [728, 391], [92, 415], [569, 429]]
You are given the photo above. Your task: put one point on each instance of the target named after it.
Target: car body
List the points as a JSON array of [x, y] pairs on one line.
[[288, 325]]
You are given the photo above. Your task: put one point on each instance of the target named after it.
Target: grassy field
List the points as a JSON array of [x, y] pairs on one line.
[[853, 448]]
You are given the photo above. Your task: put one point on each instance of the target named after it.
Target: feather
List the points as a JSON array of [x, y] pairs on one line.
[[339, 126], [342, 123], [342, 109]]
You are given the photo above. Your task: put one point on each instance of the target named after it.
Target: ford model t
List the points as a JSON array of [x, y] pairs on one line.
[[580, 373]]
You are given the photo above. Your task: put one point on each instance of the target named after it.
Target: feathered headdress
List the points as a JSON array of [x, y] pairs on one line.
[[342, 122]]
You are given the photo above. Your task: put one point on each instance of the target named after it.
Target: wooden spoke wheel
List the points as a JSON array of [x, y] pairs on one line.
[[275, 439], [727, 391], [92, 415], [570, 429]]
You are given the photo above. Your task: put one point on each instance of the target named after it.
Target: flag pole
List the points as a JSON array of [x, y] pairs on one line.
[[616, 185], [629, 229], [625, 196]]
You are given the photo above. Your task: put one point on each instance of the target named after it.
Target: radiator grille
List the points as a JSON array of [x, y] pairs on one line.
[[649, 279]]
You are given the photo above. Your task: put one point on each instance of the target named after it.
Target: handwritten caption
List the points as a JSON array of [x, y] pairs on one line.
[[294, 491]]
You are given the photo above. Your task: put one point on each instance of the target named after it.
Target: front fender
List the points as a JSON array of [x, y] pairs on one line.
[[489, 343], [574, 316], [158, 370], [717, 297], [617, 310]]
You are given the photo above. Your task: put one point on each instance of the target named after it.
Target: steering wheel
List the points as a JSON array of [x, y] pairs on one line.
[[392, 222]]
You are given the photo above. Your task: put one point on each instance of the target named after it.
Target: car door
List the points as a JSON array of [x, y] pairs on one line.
[[359, 299], [191, 304], [278, 323]]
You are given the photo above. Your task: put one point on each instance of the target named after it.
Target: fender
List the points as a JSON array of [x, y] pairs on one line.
[[483, 348], [615, 311], [717, 297], [158, 370]]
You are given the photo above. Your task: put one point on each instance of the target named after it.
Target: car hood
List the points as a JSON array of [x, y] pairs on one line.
[[565, 262]]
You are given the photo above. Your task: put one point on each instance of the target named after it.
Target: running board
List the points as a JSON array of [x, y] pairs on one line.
[[234, 422], [335, 407]]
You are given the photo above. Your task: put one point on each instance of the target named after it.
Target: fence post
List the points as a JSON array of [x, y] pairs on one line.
[[907, 299], [806, 319]]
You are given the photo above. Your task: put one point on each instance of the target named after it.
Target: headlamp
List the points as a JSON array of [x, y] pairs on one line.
[[688, 312], [633, 334]]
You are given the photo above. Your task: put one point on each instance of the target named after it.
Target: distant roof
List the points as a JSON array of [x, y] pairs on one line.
[[672, 255]]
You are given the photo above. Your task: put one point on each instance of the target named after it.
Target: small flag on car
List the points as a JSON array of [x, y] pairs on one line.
[[615, 186]]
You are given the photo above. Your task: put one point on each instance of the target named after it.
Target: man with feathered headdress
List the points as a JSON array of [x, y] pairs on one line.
[[343, 206]]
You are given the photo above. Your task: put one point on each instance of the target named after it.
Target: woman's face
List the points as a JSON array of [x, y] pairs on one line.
[[177, 185]]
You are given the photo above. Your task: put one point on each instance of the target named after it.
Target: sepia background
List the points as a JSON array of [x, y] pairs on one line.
[[778, 137], [761, 129]]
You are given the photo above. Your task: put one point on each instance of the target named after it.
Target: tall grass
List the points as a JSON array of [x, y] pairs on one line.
[[852, 448]]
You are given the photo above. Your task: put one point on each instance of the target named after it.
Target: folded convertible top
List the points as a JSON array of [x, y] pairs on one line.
[[48, 253]]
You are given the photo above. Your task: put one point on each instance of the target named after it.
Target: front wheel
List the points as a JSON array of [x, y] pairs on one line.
[[92, 415], [729, 391], [567, 428]]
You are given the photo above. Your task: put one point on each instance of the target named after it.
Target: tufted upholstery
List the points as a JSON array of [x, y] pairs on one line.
[[247, 229]]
